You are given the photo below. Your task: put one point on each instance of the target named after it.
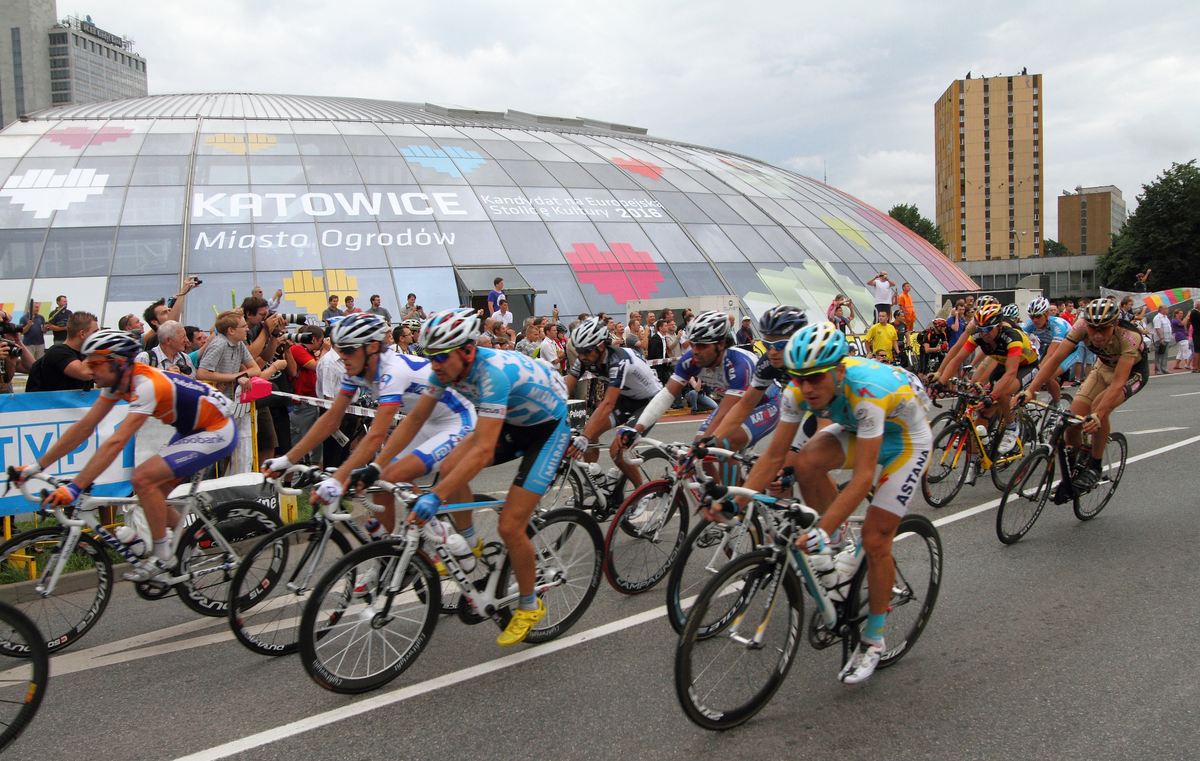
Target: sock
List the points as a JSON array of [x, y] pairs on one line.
[[1011, 426], [1095, 464], [528, 602], [468, 533], [873, 631], [162, 548]]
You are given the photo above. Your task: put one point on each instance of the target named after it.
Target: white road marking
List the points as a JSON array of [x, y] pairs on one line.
[[1157, 430], [1190, 393]]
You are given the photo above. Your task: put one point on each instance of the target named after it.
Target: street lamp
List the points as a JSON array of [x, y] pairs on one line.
[[1019, 238]]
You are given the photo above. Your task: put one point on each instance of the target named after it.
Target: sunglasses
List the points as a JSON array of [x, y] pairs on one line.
[[438, 357], [776, 345], [799, 378]]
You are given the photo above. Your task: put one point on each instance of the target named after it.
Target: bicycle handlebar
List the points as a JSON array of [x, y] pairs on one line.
[[45, 478]]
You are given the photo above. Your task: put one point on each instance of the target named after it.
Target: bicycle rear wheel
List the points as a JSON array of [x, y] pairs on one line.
[[273, 583], [1089, 505], [22, 685], [948, 460], [354, 635], [1002, 466], [1025, 496], [79, 598], [725, 677], [708, 547], [242, 523], [645, 537]]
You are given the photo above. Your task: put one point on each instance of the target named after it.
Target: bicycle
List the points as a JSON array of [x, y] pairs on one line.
[[1033, 482], [741, 639], [574, 486], [373, 613], [61, 576], [22, 687]]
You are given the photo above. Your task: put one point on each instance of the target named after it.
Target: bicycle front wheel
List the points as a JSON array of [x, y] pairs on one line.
[[273, 583], [1089, 505], [79, 597], [708, 547], [1025, 496], [645, 537], [947, 471], [22, 685], [242, 524], [355, 634], [725, 677]]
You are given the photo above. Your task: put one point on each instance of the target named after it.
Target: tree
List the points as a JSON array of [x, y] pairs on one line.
[[909, 216], [1162, 235], [1051, 247]]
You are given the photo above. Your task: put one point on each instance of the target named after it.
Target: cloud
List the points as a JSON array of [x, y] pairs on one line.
[[886, 178]]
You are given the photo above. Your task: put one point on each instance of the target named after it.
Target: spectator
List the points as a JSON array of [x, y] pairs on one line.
[[165, 309], [668, 315], [33, 332], [62, 368], [745, 334], [14, 355], [1139, 282], [304, 353], [382, 311], [658, 348], [1162, 340], [131, 324], [332, 311], [531, 343], [1192, 323], [905, 311], [637, 336], [882, 336], [495, 296], [1179, 332], [484, 340], [617, 331], [350, 308], [330, 369], [1125, 309], [697, 399], [634, 315], [502, 315], [171, 353], [934, 342], [56, 323], [264, 334], [549, 347], [197, 339], [675, 345], [885, 292], [651, 320], [839, 320], [957, 322], [412, 310], [502, 337], [272, 303]]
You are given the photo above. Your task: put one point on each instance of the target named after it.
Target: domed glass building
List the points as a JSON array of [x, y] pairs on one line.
[[113, 204]]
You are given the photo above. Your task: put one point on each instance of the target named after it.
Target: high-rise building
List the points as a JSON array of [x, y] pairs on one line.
[[988, 147], [1089, 217], [44, 62]]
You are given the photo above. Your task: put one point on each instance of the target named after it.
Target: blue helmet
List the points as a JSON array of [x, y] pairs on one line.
[[782, 320], [815, 348]]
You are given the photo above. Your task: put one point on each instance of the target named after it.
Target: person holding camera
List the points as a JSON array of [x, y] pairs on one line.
[[163, 310], [14, 355], [33, 334], [304, 354], [170, 355], [885, 292], [56, 323], [62, 368]]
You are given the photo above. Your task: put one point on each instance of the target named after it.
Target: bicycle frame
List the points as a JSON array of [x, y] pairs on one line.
[[964, 411]]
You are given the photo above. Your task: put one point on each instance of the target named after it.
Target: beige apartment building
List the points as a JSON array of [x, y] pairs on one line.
[[1089, 217]]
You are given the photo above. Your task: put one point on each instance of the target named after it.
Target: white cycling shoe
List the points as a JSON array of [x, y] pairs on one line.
[[862, 663], [1008, 441], [149, 570]]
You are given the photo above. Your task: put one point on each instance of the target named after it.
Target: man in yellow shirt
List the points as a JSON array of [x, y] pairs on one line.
[[905, 312], [882, 336]]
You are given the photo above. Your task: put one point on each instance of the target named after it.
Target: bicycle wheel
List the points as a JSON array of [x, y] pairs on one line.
[[567, 490], [79, 598], [656, 466], [354, 635], [645, 537], [724, 678], [1027, 438], [948, 461], [242, 523], [1090, 504], [22, 685], [273, 582], [917, 556], [1025, 496], [941, 420], [708, 547]]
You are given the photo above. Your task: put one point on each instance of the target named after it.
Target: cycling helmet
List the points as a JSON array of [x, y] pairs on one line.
[[449, 329], [815, 348], [938, 322], [1101, 313], [413, 325], [114, 343], [589, 334], [358, 329], [983, 301], [988, 316], [708, 328], [1039, 306], [782, 320], [1010, 312]]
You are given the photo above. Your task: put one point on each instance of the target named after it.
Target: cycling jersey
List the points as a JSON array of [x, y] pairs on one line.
[[1124, 342], [185, 404], [626, 370], [509, 385], [766, 374], [733, 375], [401, 379], [1009, 342], [1041, 339]]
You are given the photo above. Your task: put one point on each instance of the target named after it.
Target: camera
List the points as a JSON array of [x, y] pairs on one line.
[[14, 351]]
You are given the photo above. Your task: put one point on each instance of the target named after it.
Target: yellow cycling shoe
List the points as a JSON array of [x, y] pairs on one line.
[[440, 567], [520, 625]]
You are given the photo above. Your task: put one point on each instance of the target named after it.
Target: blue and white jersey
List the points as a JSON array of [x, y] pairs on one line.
[[509, 385], [734, 374], [402, 379], [1055, 331]]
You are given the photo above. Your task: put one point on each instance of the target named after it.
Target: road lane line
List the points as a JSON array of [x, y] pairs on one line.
[[1157, 430], [1190, 393]]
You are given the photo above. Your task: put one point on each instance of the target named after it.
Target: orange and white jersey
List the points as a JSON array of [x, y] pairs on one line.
[[179, 401]]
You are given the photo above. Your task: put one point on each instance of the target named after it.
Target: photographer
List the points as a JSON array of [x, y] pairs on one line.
[[265, 333], [62, 369], [14, 356], [33, 334], [165, 309], [170, 355], [304, 354], [56, 323]]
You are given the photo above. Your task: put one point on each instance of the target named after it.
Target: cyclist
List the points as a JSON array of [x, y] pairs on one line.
[[1045, 334], [396, 382], [877, 415], [1121, 370], [957, 348], [522, 408], [631, 386], [198, 412], [1016, 364]]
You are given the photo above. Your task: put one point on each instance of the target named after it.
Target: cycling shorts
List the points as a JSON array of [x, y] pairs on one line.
[[903, 460], [433, 442], [1025, 375], [541, 448], [627, 411], [757, 425], [190, 453], [1101, 376]]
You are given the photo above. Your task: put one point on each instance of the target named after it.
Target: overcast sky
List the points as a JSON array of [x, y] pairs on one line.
[[845, 85]]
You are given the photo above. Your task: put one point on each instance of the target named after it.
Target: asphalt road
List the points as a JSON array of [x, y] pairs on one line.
[[1077, 642]]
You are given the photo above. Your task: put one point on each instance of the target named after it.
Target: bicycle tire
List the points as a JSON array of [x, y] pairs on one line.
[[1089, 505], [700, 657], [645, 537], [324, 626], [567, 490], [657, 466], [1026, 440], [242, 523], [79, 598], [1030, 484], [696, 564], [915, 561], [16, 627], [263, 612], [947, 472]]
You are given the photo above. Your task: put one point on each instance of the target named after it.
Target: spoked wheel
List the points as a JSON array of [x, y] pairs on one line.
[[708, 547], [79, 598], [243, 524], [948, 461], [567, 490], [645, 537], [22, 684], [1002, 470], [726, 676], [357, 635], [1025, 496], [273, 583], [1112, 467], [917, 555]]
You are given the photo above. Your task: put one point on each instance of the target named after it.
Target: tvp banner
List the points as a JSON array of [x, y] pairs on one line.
[[31, 423]]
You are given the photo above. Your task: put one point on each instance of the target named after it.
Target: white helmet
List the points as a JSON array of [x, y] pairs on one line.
[[449, 329], [1039, 306], [358, 329], [708, 328], [590, 333]]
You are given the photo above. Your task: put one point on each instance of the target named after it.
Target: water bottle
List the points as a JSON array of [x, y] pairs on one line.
[[613, 475], [128, 536], [375, 529], [594, 472], [461, 551], [983, 433], [845, 565]]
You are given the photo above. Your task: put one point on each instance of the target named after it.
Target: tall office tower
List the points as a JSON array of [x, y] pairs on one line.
[[988, 147], [44, 62], [1089, 217]]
